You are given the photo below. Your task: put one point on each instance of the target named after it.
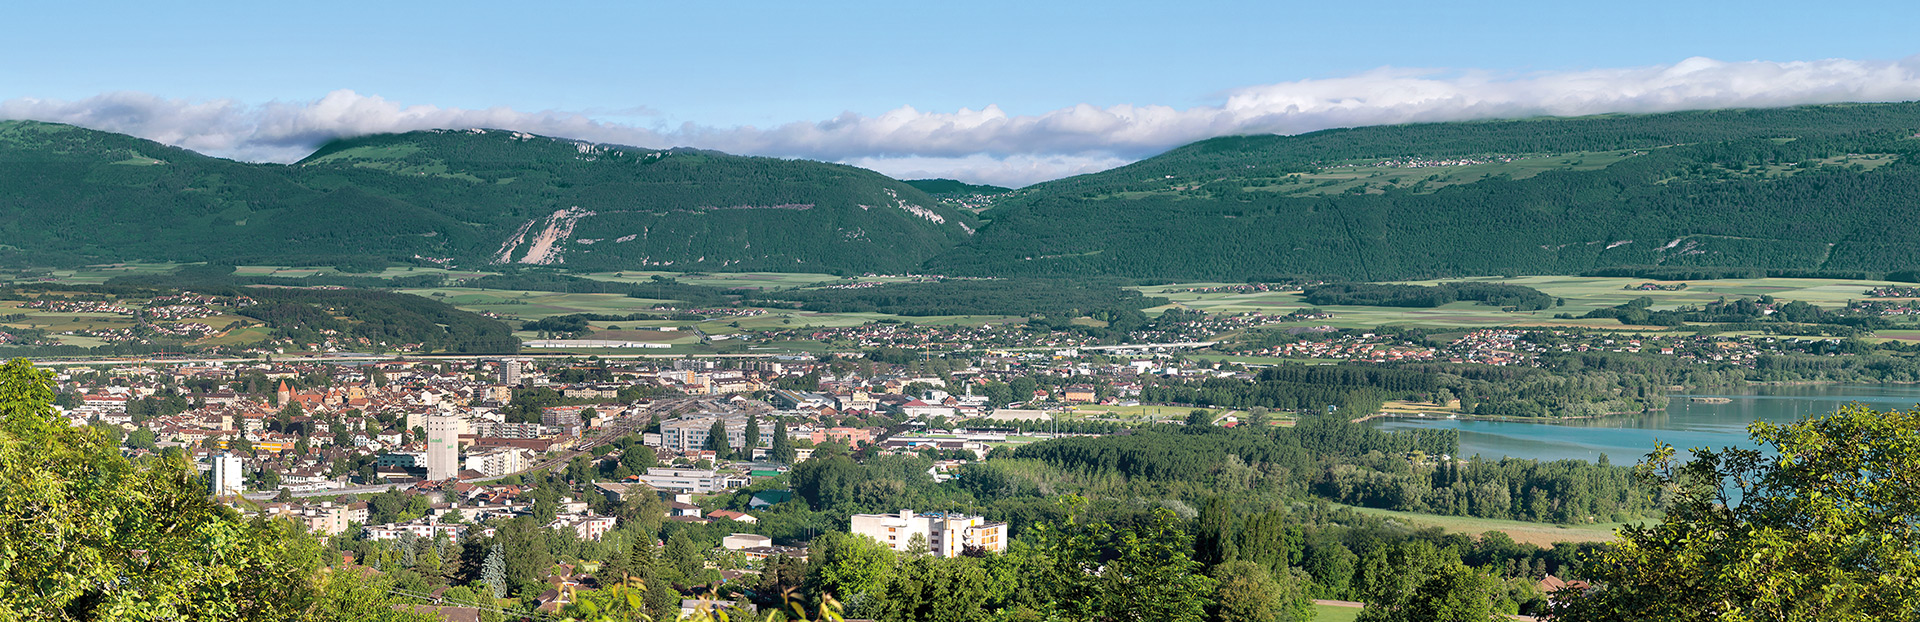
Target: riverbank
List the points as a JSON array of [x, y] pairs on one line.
[[1497, 418]]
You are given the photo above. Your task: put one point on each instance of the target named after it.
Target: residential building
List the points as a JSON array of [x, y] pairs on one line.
[[443, 447], [587, 526], [498, 461], [946, 534], [227, 476], [688, 434], [689, 481]]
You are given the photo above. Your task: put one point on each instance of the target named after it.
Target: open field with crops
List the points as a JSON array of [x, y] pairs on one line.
[[1541, 534], [1582, 294]]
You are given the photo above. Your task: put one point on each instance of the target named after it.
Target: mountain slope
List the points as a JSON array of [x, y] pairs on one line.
[[472, 196], [1831, 188]]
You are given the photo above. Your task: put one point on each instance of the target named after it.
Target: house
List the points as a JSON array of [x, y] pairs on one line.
[[731, 515], [767, 498]]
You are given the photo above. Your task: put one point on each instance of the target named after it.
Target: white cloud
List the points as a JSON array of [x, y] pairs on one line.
[[992, 146], [1012, 171]]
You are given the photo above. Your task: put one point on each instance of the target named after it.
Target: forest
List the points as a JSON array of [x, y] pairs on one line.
[[80, 196], [1777, 190], [1512, 297], [1801, 191]]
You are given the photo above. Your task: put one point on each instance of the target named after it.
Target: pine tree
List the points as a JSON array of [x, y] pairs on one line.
[[493, 572], [407, 548], [717, 441], [643, 563], [782, 445], [752, 436]]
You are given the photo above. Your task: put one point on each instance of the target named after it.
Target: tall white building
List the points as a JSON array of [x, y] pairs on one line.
[[947, 535], [228, 479], [443, 447], [510, 372]]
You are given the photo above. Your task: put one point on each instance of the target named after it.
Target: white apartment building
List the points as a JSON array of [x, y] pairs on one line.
[[947, 535], [328, 517], [689, 434], [227, 476], [585, 525], [498, 461], [689, 481], [425, 528]]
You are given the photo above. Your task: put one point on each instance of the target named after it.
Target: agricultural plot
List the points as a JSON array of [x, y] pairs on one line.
[[1375, 177], [755, 280], [533, 305], [88, 275], [1140, 413], [56, 322], [1538, 534], [1582, 294]]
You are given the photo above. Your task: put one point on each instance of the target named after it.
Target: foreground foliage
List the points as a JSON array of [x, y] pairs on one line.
[[1824, 530], [86, 534]]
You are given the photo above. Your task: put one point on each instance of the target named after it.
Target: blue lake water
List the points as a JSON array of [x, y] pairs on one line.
[[1685, 424]]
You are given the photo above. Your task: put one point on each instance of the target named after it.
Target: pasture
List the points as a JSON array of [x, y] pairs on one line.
[[1140, 413], [1334, 613], [1582, 294], [1538, 534], [87, 275]]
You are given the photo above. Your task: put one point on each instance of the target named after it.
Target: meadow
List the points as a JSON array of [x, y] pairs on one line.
[[1540, 534], [1582, 294], [1323, 612], [1140, 413]]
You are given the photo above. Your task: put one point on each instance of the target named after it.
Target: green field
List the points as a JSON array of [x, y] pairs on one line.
[[55, 322], [88, 275], [1142, 413], [1330, 613], [759, 280], [1582, 294], [533, 305], [1541, 534], [1376, 178]]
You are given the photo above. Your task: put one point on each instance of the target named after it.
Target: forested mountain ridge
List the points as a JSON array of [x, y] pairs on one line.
[[1830, 189], [467, 196], [1827, 188]]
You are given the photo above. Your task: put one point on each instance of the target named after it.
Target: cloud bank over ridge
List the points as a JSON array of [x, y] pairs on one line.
[[990, 145]]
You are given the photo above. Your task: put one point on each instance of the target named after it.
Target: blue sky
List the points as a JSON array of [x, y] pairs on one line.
[[708, 71]]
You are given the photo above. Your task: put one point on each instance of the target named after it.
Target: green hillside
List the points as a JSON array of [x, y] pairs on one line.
[[470, 197], [1817, 188], [1793, 191]]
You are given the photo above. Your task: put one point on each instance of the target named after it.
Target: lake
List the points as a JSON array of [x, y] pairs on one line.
[[1685, 424]]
